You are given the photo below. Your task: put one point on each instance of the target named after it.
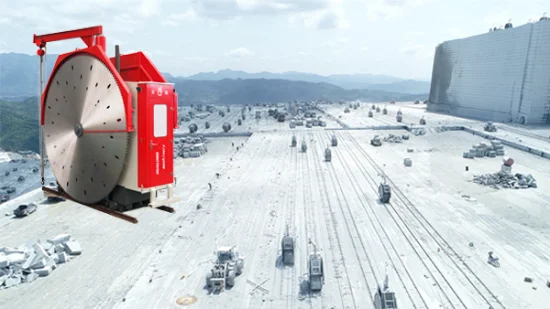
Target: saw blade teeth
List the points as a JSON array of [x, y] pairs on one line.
[[84, 97]]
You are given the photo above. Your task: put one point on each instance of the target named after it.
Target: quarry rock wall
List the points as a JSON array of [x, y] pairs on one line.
[[500, 76]]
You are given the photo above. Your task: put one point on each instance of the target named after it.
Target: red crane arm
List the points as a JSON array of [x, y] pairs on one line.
[[91, 36]]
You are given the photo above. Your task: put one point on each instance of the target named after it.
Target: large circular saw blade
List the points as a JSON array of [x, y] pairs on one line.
[[83, 110]]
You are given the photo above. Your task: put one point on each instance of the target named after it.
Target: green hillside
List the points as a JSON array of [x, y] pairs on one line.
[[19, 125]]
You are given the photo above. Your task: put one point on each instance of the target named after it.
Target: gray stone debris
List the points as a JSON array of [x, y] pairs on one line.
[[407, 162], [418, 131], [375, 141], [506, 180], [25, 264], [393, 139], [490, 127], [442, 129], [483, 150], [191, 147]]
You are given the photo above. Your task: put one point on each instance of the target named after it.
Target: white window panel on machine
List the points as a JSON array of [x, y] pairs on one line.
[[160, 120]]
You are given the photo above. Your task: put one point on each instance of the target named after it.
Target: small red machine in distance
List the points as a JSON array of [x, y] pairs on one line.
[[107, 126]]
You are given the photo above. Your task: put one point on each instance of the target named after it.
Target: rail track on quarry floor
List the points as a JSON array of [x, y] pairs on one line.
[[279, 210], [310, 231], [290, 290], [354, 233], [401, 206], [434, 271], [334, 239], [228, 235], [269, 227], [393, 255]]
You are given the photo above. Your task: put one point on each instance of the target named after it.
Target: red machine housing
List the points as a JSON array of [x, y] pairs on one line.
[[156, 108], [150, 105]]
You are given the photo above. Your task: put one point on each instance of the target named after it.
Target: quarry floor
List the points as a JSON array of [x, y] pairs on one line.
[[431, 240]]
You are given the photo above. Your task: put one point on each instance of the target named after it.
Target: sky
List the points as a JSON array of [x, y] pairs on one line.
[[184, 37]]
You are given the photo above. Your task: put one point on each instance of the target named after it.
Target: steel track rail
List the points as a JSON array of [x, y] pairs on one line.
[[271, 167], [462, 266], [290, 300], [331, 223], [309, 217], [418, 248], [386, 239], [338, 185]]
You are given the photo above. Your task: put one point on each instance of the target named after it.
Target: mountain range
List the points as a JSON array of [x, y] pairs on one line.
[[353, 81], [19, 90], [19, 79], [251, 91]]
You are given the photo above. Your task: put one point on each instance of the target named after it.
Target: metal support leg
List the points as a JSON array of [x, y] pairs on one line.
[[40, 128]]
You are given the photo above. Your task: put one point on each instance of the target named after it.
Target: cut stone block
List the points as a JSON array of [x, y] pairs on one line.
[[16, 269], [16, 258], [8, 251], [6, 272], [59, 248], [51, 251], [40, 263], [29, 261], [59, 239], [72, 247], [46, 245], [62, 258], [43, 272], [4, 262], [39, 250], [31, 277], [13, 281], [51, 263]]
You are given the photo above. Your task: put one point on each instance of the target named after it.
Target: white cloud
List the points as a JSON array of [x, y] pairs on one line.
[[224, 9], [158, 52], [302, 54], [455, 33], [194, 59], [412, 49], [335, 43], [178, 18], [332, 17], [414, 34], [390, 9], [240, 52], [59, 15], [364, 49], [149, 8]]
